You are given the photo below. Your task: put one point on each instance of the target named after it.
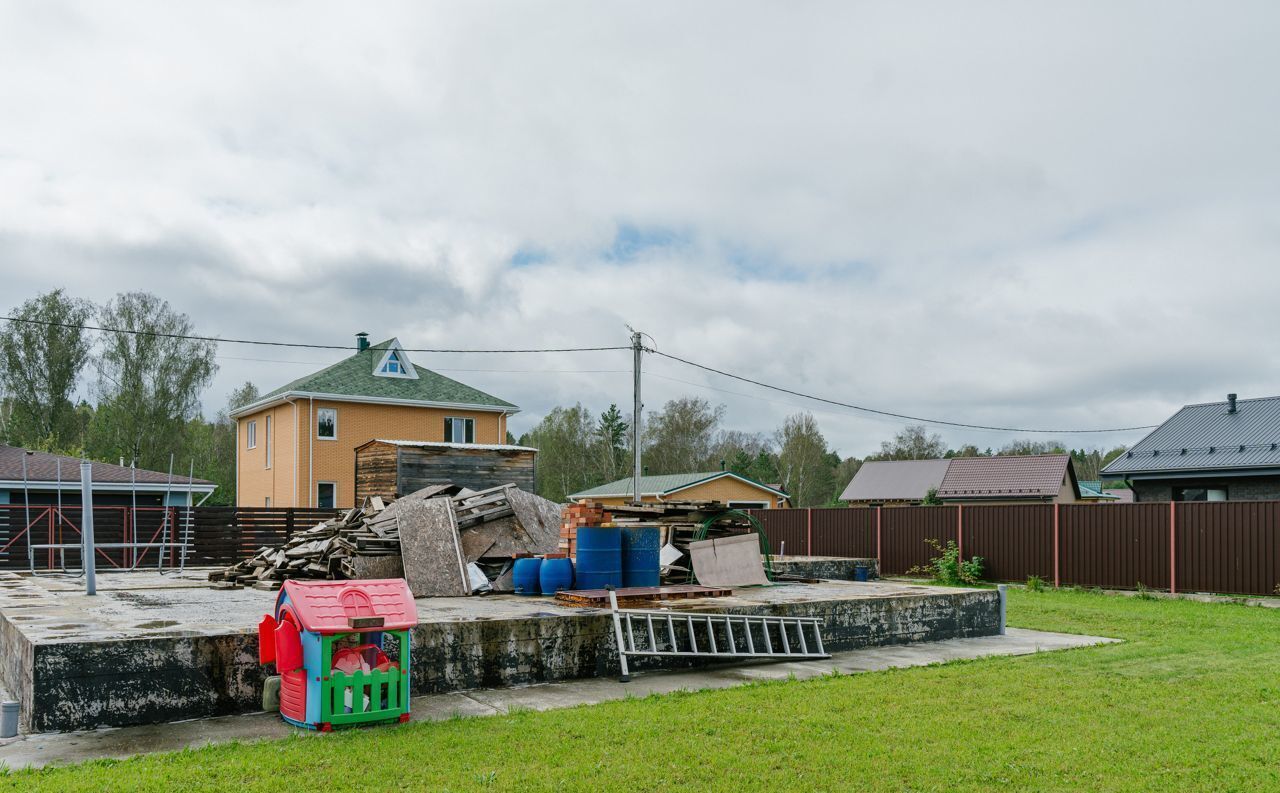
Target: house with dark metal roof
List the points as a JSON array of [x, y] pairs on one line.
[[33, 477], [1215, 451], [966, 480], [897, 482], [737, 491], [295, 447]]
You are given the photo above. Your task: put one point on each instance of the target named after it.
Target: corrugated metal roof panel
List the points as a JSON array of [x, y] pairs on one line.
[[1207, 437], [895, 480], [1038, 476]]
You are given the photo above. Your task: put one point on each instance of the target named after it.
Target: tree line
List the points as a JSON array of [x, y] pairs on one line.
[[579, 449], [142, 386]]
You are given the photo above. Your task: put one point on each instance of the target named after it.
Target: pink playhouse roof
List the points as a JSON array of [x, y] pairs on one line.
[[327, 606]]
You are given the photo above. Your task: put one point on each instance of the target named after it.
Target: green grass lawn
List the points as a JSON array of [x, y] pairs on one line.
[[1191, 701]]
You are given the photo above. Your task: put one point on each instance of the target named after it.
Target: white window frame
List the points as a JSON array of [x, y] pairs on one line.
[[406, 372], [465, 424], [266, 502], [266, 431], [321, 484], [251, 434], [320, 412], [740, 504]]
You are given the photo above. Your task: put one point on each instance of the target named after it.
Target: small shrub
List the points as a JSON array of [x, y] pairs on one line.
[[1144, 593], [947, 569], [1035, 583]]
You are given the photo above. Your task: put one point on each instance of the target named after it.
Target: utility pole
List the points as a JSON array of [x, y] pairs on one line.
[[637, 348]]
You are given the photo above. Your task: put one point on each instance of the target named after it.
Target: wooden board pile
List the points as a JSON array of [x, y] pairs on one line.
[[492, 525], [680, 523]]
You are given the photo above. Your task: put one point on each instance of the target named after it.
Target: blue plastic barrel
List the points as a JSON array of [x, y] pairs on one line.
[[641, 548], [860, 572], [525, 576], [599, 557], [556, 575]]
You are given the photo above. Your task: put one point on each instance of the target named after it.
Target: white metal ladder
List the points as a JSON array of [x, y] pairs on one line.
[[702, 635]]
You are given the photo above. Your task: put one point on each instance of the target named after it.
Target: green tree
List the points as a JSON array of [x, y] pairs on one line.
[[212, 445], [914, 442], [843, 473], [1027, 447], [611, 432], [149, 381], [40, 365], [568, 459], [681, 437], [808, 473]]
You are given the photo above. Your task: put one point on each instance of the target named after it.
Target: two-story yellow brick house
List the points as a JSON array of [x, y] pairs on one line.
[[295, 447]]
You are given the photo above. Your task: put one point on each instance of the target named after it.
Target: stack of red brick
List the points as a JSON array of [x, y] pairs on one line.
[[575, 515]]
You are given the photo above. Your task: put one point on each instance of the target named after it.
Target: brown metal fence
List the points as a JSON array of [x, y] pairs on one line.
[[1230, 547]]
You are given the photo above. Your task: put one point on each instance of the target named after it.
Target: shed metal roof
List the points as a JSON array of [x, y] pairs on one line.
[[42, 467], [1039, 476], [895, 480], [1207, 437], [662, 484]]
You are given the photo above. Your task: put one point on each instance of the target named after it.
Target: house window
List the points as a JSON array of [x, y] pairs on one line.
[[1200, 493], [268, 440], [266, 502], [748, 505], [326, 495], [458, 430], [392, 364], [251, 435], [327, 424]]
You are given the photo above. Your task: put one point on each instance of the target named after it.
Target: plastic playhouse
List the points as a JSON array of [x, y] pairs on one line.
[[342, 651]]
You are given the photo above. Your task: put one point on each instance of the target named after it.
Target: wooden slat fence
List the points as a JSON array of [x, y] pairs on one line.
[[217, 535], [1229, 547]]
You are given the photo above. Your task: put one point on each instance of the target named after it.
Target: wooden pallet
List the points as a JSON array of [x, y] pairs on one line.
[[599, 598]]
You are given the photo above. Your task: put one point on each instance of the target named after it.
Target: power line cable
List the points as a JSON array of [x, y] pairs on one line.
[[299, 345], [877, 412]]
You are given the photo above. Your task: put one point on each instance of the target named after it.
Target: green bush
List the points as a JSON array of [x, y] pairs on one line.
[[947, 568], [1035, 583]]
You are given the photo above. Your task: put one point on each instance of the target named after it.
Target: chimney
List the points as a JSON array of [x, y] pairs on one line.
[[1231, 403], [362, 341], [723, 467]]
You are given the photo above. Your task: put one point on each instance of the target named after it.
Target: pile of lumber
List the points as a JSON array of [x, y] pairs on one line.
[[429, 537]]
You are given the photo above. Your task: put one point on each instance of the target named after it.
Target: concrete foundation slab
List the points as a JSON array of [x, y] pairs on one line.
[[153, 649], [71, 747]]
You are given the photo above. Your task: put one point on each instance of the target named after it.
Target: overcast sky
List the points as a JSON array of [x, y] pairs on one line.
[[1046, 215]]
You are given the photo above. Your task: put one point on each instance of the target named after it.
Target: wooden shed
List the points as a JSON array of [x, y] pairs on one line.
[[394, 468]]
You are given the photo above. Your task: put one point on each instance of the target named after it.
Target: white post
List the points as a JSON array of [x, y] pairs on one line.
[[636, 348], [86, 527], [1003, 590]]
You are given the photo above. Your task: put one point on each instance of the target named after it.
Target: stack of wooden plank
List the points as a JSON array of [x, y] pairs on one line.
[[490, 526], [327, 550]]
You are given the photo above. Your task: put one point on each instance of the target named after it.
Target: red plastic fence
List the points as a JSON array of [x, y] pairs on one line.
[[1231, 547]]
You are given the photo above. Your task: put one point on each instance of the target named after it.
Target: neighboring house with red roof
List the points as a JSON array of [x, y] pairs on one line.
[[1047, 478], [47, 478]]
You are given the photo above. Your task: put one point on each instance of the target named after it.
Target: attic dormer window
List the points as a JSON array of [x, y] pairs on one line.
[[394, 363]]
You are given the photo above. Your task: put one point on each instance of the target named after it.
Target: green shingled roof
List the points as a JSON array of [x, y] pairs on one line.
[[353, 377], [659, 485]]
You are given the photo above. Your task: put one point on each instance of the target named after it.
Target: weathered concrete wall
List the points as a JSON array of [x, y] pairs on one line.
[[831, 568], [76, 683], [458, 656]]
